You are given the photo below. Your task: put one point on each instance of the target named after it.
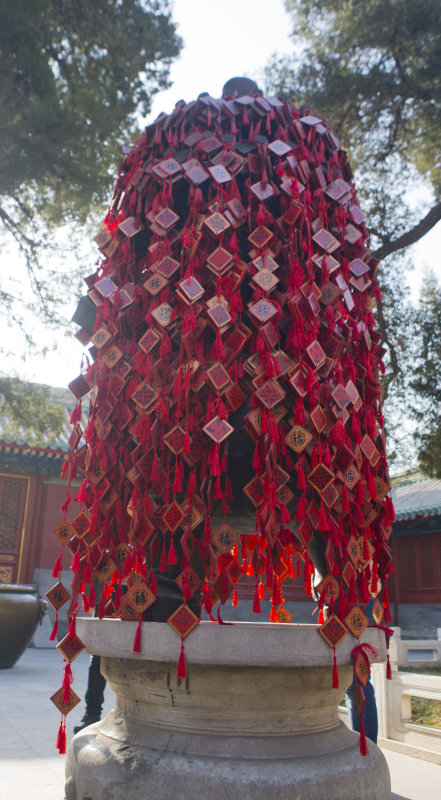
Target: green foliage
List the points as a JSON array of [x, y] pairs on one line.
[[427, 378], [73, 77], [27, 413]]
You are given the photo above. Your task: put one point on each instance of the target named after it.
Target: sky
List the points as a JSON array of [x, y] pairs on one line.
[[221, 40]]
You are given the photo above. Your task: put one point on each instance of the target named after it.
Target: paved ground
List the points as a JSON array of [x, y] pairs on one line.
[[31, 769]]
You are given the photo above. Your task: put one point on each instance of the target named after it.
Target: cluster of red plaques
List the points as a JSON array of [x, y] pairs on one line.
[[235, 276]]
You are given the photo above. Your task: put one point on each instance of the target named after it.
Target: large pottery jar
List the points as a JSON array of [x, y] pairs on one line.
[[19, 614]]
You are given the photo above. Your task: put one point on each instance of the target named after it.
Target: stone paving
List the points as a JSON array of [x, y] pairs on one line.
[[31, 769]]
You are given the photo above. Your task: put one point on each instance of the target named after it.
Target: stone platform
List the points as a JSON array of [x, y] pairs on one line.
[[256, 718]]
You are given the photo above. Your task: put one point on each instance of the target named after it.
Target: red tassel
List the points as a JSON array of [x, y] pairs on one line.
[[363, 744], [321, 617], [323, 524], [234, 601], [301, 480], [172, 557], [72, 626], [284, 513], [335, 673], [182, 673], [92, 598], [163, 560], [388, 668], [67, 680], [54, 629], [58, 565], [256, 602], [61, 738], [137, 640]]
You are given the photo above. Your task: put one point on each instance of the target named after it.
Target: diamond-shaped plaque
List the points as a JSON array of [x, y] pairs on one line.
[[320, 477], [316, 353], [191, 289], [333, 631], [331, 588], [298, 438], [263, 310], [162, 314], [265, 280], [219, 173], [218, 376], [167, 266], [129, 227], [362, 667], [255, 491], [65, 706], [353, 551], [217, 223], [282, 615], [318, 418], [80, 524], [370, 450], [349, 573], [219, 315], [326, 240], [219, 260], [101, 337], [70, 647], [149, 340], [174, 439], [140, 596], [218, 429], [166, 218], [225, 538], [341, 396], [378, 612], [270, 393], [144, 395], [64, 532], [337, 189], [173, 516], [183, 621], [58, 595], [112, 356], [260, 237], [155, 283], [356, 621], [265, 261]]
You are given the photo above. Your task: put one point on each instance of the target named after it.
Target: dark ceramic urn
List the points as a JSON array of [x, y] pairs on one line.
[[20, 609]]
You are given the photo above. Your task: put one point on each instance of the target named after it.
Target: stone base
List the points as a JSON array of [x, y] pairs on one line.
[[268, 731]]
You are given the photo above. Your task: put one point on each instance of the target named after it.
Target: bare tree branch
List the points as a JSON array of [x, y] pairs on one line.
[[411, 236]]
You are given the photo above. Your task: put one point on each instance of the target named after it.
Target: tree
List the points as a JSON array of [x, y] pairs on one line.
[[28, 414], [74, 78], [373, 69], [427, 378]]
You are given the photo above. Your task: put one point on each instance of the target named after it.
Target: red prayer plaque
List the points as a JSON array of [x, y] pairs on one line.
[[316, 354], [353, 551], [174, 439], [102, 238], [112, 356], [326, 259], [190, 576], [191, 288], [260, 237], [279, 148], [166, 218], [219, 174], [237, 208], [298, 438], [356, 621], [218, 376], [270, 393], [265, 280], [183, 620], [148, 340], [333, 631], [284, 495], [254, 490], [361, 666], [70, 647], [170, 167], [58, 595], [101, 337], [80, 524], [262, 190], [282, 615], [219, 260], [326, 240], [341, 396], [263, 310], [338, 189], [218, 429], [370, 450], [197, 174], [331, 588], [320, 478], [319, 418], [352, 234], [144, 395], [64, 532], [167, 266], [129, 227], [162, 314], [358, 267], [105, 287], [234, 397], [349, 573], [140, 596], [217, 223], [225, 538], [265, 261], [155, 283], [330, 495], [378, 612], [219, 315], [173, 516], [65, 706]]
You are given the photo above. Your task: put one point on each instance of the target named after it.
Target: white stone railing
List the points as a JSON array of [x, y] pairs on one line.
[[417, 652]]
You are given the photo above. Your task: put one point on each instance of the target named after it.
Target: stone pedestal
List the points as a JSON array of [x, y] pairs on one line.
[[256, 718]]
